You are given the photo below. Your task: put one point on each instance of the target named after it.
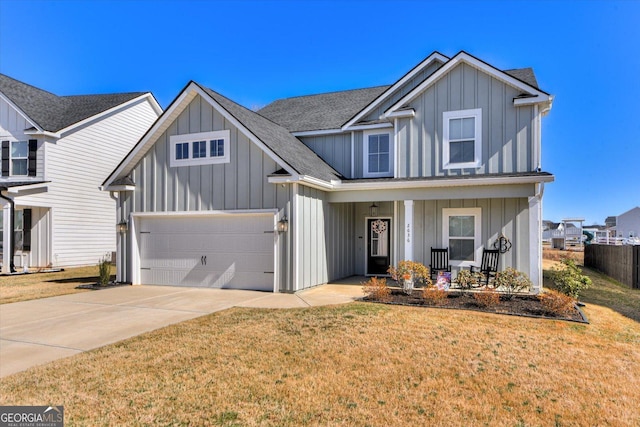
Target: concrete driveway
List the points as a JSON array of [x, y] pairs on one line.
[[40, 331]]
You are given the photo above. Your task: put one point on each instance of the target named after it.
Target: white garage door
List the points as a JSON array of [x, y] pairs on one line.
[[221, 251]]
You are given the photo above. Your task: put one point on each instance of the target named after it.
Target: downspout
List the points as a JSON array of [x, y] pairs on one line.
[[12, 249]]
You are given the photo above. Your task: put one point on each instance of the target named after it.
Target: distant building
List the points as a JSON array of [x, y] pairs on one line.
[[610, 222], [628, 223]]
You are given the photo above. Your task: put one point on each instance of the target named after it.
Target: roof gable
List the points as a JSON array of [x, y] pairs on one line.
[[284, 148], [54, 113], [531, 94]]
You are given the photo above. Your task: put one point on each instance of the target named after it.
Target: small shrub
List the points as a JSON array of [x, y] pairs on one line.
[[104, 270], [569, 278], [511, 281], [377, 289], [466, 280], [414, 272], [487, 297], [556, 303], [434, 296]]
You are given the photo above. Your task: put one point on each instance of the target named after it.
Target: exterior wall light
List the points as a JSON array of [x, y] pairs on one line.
[[373, 209], [283, 225], [122, 227]]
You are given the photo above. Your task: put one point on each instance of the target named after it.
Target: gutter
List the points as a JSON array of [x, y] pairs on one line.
[[12, 249]]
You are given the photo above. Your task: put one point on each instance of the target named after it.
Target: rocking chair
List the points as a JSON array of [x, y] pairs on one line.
[[439, 261], [489, 266]]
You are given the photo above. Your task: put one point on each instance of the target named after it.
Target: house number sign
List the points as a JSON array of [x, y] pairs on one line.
[[408, 233]]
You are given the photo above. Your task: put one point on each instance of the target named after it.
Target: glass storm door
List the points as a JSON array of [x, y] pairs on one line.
[[378, 246]]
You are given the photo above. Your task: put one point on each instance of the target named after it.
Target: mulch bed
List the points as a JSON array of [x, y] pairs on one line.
[[519, 305]]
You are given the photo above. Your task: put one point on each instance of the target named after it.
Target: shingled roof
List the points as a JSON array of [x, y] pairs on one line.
[[320, 112], [53, 113], [286, 146], [332, 110]]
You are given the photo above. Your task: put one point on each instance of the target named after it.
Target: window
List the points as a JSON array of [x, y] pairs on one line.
[[182, 151], [217, 148], [378, 154], [462, 139], [206, 148], [19, 157], [461, 234], [199, 149]]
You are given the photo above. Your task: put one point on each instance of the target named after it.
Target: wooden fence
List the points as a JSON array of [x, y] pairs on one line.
[[622, 263]]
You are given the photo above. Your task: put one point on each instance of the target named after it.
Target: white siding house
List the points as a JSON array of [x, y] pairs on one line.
[[628, 223], [61, 218]]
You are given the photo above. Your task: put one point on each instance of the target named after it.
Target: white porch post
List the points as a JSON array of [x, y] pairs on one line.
[[535, 242], [6, 238], [408, 230]]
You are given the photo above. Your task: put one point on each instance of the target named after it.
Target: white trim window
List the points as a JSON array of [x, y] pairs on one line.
[[378, 154], [462, 139], [203, 148], [462, 235], [20, 158]]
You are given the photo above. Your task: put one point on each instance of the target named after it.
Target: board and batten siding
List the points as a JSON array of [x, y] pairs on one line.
[[334, 149], [509, 216], [507, 144], [239, 184], [12, 126], [325, 238], [403, 90], [82, 218]]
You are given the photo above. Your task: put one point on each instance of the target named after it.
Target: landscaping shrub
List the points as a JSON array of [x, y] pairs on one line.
[[556, 303], [487, 297], [511, 281], [434, 296], [377, 289], [104, 270], [416, 272], [466, 280], [569, 278]]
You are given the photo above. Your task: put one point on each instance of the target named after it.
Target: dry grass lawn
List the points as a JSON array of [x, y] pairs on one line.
[[42, 285], [357, 364]]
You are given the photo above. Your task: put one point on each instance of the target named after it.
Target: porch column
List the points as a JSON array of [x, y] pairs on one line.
[[535, 242], [408, 230], [6, 238]]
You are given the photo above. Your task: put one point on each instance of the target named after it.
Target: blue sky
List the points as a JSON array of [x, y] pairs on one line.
[[586, 53]]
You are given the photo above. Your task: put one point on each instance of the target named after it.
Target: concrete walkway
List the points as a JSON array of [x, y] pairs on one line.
[[40, 331]]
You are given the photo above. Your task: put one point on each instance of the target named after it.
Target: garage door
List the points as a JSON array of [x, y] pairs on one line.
[[222, 251]]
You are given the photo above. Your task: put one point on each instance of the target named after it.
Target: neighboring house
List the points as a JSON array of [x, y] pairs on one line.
[[628, 223], [610, 222], [56, 151], [316, 188]]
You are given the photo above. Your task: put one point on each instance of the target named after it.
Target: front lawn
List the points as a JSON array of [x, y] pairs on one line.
[[24, 287], [355, 364]]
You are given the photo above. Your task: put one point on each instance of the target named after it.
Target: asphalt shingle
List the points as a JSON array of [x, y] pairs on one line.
[[286, 146], [320, 112], [53, 113]]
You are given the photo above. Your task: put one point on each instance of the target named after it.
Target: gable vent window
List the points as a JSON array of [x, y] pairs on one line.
[[378, 154], [462, 142], [206, 148]]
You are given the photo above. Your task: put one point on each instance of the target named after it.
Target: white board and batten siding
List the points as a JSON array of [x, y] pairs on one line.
[[82, 218], [232, 203]]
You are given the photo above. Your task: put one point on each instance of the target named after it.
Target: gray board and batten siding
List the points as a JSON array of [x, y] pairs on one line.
[[507, 143], [507, 130], [241, 184]]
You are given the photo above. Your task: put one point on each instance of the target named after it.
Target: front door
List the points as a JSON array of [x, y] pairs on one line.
[[378, 246]]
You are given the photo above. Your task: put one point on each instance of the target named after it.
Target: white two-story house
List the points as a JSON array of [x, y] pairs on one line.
[[56, 151], [316, 188]]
